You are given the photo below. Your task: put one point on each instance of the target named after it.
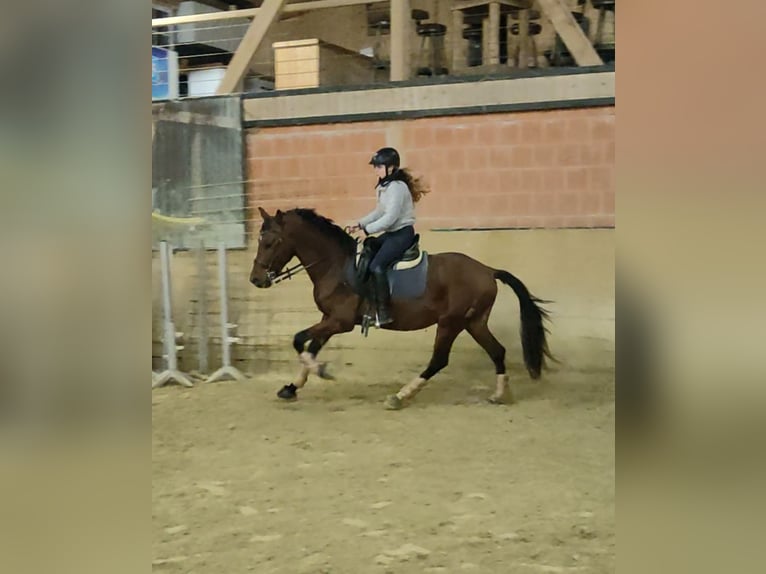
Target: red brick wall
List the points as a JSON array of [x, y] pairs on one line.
[[525, 169]]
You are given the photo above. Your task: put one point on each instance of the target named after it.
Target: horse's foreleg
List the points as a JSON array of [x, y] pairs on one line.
[[299, 343], [309, 359], [446, 334], [318, 334]]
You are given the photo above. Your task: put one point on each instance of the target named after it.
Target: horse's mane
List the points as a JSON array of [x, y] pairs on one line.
[[327, 227]]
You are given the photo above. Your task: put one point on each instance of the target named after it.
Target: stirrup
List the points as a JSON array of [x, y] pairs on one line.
[[367, 320], [378, 324]]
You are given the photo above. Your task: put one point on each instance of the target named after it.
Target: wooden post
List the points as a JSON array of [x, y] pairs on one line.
[[400, 40], [458, 44], [523, 39], [494, 33], [243, 57], [571, 34]]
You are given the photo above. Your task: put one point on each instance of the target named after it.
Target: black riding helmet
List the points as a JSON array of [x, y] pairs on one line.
[[386, 156]]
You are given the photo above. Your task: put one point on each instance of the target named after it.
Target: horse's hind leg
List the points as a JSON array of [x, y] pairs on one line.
[[479, 330], [446, 334]]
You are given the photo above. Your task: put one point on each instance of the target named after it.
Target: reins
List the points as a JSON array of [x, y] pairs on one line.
[[288, 273]]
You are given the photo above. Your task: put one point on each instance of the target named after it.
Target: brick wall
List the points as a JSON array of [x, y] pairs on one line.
[[539, 169]]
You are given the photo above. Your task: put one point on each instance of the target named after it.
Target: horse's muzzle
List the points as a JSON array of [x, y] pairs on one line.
[[261, 283]]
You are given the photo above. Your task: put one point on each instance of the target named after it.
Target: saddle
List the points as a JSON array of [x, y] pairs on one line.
[[406, 277], [411, 258]]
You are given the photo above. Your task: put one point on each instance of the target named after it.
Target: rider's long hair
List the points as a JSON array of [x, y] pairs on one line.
[[417, 187]]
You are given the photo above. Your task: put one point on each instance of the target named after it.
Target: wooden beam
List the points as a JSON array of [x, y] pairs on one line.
[[319, 4], [463, 4], [252, 12], [400, 40], [243, 57], [571, 34], [523, 40], [458, 43], [211, 17], [494, 33]]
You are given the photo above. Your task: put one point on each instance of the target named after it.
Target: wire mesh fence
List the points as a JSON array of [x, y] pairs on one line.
[[198, 211], [197, 172]]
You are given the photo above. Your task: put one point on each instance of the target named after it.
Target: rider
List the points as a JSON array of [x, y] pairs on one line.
[[394, 216]]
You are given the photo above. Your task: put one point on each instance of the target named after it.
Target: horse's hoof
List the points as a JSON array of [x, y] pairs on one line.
[[506, 400], [393, 403], [288, 393], [323, 374]]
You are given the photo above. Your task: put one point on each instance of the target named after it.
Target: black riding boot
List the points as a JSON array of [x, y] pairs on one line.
[[382, 298]]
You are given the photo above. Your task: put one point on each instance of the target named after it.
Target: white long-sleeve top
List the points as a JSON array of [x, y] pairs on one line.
[[395, 209]]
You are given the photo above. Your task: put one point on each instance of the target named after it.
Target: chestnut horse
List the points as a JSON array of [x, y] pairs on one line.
[[459, 295]]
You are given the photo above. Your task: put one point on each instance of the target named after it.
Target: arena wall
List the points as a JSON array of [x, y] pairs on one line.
[[530, 192]]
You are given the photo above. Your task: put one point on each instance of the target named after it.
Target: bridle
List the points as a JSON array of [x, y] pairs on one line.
[[288, 273], [274, 277]]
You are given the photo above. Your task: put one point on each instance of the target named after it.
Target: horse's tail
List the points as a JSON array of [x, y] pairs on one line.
[[533, 342]]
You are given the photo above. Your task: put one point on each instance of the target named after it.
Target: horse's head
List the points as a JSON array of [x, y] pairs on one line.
[[274, 250]]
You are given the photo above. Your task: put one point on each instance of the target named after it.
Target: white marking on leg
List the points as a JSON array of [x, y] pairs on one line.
[[412, 388], [310, 362], [302, 377], [500, 387], [503, 392]]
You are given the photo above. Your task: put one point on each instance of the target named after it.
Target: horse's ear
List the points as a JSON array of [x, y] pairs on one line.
[[265, 215], [279, 215]]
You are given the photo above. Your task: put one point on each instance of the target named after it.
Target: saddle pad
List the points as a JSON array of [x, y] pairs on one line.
[[402, 265], [410, 282]]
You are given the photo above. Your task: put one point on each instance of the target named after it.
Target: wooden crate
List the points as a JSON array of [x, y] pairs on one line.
[[311, 63]]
